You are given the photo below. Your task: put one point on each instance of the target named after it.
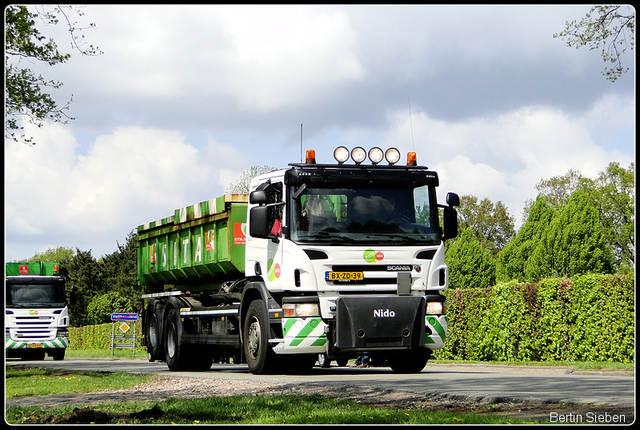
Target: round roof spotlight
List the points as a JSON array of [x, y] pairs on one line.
[[341, 154], [358, 154], [392, 155], [376, 155]]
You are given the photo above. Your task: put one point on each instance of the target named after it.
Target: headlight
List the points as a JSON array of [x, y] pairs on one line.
[[436, 308], [292, 310]]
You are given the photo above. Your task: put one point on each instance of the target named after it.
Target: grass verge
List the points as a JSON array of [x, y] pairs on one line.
[[37, 381], [276, 409]]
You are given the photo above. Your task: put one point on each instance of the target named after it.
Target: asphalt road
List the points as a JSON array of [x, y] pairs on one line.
[[540, 383]]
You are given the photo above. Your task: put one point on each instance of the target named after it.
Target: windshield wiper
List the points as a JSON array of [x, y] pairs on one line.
[[324, 236], [398, 238]]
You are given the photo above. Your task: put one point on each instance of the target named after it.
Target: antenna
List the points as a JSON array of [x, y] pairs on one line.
[[411, 123], [301, 151]]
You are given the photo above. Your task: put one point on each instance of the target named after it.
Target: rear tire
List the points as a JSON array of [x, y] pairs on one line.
[[342, 362], [153, 333], [174, 351]]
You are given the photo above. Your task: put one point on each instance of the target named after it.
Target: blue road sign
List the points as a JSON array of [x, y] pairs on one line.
[[124, 317]]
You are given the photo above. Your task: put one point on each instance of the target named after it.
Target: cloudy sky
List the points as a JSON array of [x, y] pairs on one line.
[[185, 98]]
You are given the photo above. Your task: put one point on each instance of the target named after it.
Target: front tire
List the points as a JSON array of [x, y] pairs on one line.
[[260, 357], [324, 361], [57, 355], [409, 363]]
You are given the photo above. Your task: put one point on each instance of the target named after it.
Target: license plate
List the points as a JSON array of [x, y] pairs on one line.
[[35, 345], [344, 276]]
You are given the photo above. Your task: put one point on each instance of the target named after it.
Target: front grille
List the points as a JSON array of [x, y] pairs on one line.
[[34, 327]]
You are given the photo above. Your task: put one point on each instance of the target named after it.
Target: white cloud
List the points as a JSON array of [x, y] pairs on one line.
[[129, 177], [504, 156], [264, 57]]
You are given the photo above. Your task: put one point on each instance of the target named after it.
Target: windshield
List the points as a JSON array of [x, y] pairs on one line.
[[36, 296], [365, 216]]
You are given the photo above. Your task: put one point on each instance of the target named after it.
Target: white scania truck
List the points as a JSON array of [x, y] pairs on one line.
[[334, 260], [36, 316]]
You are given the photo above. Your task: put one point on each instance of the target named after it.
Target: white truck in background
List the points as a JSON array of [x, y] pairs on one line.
[[36, 316]]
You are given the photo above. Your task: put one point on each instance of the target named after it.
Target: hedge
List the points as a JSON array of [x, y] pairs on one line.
[[99, 336], [589, 318]]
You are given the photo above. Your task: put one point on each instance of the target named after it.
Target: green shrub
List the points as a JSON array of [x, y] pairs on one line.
[[603, 315], [465, 312], [555, 299], [510, 324], [99, 336], [589, 318], [100, 309]]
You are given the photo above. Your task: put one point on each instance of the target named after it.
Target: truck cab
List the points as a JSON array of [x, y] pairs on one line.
[[36, 311], [355, 256]]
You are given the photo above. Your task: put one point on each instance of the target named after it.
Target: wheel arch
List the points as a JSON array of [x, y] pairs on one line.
[[253, 290]]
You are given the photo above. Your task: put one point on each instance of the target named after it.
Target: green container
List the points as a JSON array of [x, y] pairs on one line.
[[30, 269], [197, 248]]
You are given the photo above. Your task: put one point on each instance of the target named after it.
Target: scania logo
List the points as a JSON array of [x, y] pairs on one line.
[[399, 268], [383, 313]]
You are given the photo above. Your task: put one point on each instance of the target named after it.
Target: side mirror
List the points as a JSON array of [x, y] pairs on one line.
[[450, 220], [258, 197], [450, 216], [259, 221], [453, 199], [73, 297]]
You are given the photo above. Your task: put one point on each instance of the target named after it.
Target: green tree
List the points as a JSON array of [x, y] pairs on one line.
[[241, 186], [470, 264], [612, 194], [87, 274], [610, 28], [120, 271], [59, 254], [25, 96], [513, 259], [572, 244], [101, 307], [489, 222], [615, 199], [557, 190]]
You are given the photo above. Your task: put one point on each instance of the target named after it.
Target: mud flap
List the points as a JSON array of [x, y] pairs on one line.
[[380, 322]]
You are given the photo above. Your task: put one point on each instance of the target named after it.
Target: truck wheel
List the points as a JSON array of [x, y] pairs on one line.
[[409, 363], [324, 361], [57, 355], [260, 356], [31, 355], [302, 363], [201, 358], [173, 349], [153, 331]]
